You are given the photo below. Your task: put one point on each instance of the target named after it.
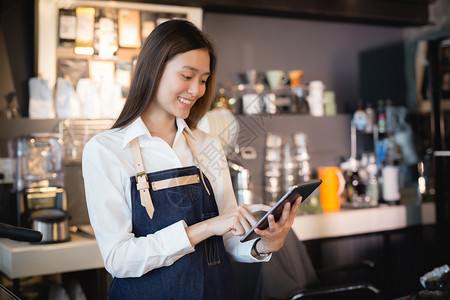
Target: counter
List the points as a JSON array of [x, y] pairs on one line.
[[22, 259], [359, 221], [19, 259]]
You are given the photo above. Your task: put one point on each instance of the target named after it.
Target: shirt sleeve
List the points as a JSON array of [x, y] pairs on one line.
[[124, 254], [226, 201]]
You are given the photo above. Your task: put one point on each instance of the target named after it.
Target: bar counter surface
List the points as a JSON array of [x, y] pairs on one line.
[[21, 259]]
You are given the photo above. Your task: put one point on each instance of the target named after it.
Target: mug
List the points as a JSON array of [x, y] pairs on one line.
[[315, 98], [333, 185], [276, 78], [295, 76]]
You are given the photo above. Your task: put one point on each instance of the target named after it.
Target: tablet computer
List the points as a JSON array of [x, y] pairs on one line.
[[303, 189]]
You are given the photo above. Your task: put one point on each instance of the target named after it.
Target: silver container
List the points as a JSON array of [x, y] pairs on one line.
[[273, 140], [53, 223], [245, 197], [273, 154], [272, 169]]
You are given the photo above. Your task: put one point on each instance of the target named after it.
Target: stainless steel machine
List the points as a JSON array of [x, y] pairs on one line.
[[39, 182]]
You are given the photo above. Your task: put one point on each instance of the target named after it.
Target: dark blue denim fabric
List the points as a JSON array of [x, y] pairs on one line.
[[203, 274]]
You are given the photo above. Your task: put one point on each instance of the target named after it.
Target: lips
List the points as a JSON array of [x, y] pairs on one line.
[[185, 101]]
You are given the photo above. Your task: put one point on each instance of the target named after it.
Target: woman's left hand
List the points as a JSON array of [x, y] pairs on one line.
[[272, 238]]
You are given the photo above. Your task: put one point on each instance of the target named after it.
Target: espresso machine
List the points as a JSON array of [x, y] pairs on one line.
[[39, 183]]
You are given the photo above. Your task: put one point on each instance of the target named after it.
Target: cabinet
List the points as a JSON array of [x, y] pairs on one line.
[[48, 46]]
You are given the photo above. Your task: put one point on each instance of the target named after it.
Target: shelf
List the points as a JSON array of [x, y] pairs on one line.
[[425, 105]]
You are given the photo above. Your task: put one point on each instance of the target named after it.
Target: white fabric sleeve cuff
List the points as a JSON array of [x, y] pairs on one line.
[[175, 240], [241, 252]]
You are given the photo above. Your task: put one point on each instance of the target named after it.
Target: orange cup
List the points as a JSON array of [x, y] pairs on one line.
[[333, 185], [295, 76]]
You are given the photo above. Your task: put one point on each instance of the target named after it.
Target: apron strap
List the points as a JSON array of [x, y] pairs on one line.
[[141, 178], [195, 156]]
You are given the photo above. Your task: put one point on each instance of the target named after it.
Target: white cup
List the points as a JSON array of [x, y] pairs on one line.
[[315, 98]]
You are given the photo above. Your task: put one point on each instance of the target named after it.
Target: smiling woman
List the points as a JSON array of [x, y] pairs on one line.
[[158, 190], [182, 83], [156, 55]]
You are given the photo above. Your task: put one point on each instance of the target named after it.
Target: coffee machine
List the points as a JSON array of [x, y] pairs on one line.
[[39, 183]]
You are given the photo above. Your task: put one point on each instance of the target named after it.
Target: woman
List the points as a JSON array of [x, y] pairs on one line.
[[158, 190]]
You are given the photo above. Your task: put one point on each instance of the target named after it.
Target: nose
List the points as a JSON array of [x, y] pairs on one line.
[[196, 89]]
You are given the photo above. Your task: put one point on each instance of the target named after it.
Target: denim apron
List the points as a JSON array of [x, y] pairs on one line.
[[205, 273]]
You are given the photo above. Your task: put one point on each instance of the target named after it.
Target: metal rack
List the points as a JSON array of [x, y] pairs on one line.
[[77, 132]]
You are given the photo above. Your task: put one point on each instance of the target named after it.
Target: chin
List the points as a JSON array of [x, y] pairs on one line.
[[183, 115]]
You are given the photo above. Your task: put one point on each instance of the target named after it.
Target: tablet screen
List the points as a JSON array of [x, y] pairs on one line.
[[303, 189]]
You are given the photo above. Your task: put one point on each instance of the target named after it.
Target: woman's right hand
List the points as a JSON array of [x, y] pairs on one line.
[[237, 221]]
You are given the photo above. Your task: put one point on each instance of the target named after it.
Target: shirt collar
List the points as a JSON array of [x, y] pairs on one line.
[[137, 128], [181, 125]]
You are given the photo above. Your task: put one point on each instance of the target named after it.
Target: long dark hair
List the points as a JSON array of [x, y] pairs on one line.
[[164, 43]]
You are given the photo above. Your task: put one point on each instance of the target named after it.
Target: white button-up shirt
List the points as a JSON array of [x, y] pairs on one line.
[[107, 167]]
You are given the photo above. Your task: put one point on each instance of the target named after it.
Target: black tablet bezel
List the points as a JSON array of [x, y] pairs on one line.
[[303, 189]]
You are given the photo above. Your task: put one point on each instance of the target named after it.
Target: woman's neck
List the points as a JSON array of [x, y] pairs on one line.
[[160, 125]]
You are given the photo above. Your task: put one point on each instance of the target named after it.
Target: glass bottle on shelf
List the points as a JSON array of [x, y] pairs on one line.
[[389, 117], [370, 114], [381, 117], [360, 117], [372, 187]]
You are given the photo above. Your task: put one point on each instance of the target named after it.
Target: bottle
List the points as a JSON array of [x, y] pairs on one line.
[[370, 115], [390, 173], [381, 117], [372, 187], [360, 117], [391, 192], [330, 103], [356, 189], [389, 117]]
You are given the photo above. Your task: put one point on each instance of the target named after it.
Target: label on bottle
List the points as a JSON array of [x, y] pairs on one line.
[[360, 120], [390, 183], [381, 123], [372, 191], [370, 119]]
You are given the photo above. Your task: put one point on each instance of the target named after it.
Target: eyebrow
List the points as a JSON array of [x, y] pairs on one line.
[[196, 70]]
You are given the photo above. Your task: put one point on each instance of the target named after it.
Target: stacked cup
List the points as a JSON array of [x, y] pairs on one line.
[[302, 157], [272, 169], [289, 168]]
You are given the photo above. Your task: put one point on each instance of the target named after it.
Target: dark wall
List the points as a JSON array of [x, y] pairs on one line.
[[381, 73], [17, 22], [327, 51]]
